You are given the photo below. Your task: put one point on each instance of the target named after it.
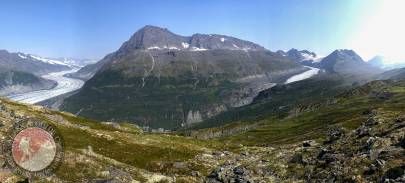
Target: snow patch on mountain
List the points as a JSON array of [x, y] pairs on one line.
[[198, 49], [22, 56], [163, 48], [48, 61], [305, 75], [185, 45]]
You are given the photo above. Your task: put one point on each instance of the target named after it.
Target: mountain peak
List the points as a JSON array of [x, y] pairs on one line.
[[294, 51], [152, 27], [157, 38], [346, 54]]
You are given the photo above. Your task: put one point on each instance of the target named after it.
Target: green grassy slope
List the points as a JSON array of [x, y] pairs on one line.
[[311, 119], [92, 147]]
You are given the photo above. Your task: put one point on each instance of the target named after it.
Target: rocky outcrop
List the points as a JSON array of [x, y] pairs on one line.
[[193, 117], [374, 152]]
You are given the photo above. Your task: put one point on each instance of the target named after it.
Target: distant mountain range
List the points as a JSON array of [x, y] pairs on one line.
[[29, 63], [344, 62], [20, 72]]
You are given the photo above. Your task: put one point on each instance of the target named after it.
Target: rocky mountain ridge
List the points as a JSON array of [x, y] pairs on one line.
[[152, 37]]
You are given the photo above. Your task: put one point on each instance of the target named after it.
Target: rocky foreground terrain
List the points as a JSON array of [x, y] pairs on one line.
[[366, 145]]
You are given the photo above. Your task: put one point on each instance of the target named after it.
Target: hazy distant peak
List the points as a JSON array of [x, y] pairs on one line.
[[346, 54]]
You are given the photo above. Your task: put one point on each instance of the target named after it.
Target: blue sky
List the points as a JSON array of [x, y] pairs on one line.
[[92, 29]]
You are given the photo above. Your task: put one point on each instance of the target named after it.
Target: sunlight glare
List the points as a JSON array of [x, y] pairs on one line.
[[383, 33]]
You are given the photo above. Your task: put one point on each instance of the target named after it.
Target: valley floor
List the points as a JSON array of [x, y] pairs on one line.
[[64, 85]]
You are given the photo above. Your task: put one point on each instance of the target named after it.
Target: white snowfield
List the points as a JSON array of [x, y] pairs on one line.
[[305, 75], [64, 85]]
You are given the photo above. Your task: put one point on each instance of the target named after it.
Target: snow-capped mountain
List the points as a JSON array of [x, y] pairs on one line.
[[304, 57], [155, 39]]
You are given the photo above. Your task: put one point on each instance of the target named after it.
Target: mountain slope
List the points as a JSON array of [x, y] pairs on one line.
[[95, 151], [156, 80], [342, 70], [281, 99], [394, 74], [16, 82]]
